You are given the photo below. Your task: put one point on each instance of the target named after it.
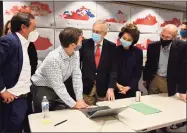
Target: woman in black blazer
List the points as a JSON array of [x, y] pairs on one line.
[[31, 49], [129, 62]]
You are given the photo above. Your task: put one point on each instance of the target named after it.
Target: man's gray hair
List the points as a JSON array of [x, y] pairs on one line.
[[106, 27]]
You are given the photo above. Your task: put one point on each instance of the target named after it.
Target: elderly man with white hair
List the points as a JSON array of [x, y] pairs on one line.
[[166, 66], [98, 74]]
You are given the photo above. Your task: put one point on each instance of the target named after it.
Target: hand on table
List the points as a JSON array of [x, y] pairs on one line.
[[182, 97], [80, 104], [110, 94], [8, 97]]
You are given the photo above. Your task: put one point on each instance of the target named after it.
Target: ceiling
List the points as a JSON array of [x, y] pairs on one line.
[[177, 3], [181, 4]]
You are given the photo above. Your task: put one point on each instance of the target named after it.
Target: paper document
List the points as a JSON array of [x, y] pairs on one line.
[[145, 109]]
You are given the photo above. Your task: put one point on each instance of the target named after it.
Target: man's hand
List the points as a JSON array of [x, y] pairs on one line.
[[110, 94], [8, 97], [125, 90], [182, 97], [80, 104]]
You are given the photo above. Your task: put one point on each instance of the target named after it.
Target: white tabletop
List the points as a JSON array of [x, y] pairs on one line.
[[76, 122], [111, 124], [173, 111]]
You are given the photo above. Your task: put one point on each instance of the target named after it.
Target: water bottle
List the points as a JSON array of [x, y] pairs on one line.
[[45, 107]]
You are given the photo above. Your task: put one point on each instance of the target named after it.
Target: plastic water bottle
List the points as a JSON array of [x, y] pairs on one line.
[[45, 107]]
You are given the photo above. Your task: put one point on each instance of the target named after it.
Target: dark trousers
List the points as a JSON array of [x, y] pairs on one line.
[[14, 116], [55, 103]]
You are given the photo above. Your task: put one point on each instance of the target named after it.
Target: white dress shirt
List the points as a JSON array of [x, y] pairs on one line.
[[57, 68], [23, 84]]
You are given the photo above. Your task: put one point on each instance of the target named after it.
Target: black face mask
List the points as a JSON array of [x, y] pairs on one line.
[[165, 42]]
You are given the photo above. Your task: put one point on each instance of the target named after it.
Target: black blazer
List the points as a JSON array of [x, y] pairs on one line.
[[177, 65], [105, 75], [33, 57], [129, 69]]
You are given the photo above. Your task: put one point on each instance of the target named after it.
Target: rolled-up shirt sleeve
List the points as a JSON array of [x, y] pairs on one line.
[[53, 72], [77, 79]]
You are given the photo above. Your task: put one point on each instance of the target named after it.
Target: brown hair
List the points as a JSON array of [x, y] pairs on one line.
[[19, 19], [5, 31], [185, 22], [132, 29], [69, 35]]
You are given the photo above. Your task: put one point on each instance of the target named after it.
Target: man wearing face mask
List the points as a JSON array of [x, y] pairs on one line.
[[183, 31], [97, 56], [165, 68], [15, 71], [57, 67]]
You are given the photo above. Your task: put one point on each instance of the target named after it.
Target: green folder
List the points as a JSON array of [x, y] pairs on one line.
[[145, 109]]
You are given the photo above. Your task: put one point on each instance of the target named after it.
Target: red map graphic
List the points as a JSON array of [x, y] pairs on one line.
[[36, 8], [148, 20], [148, 41], [42, 43], [174, 21], [120, 18], [82, 13]]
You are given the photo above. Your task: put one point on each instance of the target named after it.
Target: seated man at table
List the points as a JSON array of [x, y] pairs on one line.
[[97, 56], [57, 67], [166, 65]]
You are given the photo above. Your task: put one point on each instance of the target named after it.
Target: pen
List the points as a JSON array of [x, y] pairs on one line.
[[60, 123]]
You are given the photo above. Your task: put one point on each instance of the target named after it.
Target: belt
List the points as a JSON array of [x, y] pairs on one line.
[[161, 76], [23, 96]]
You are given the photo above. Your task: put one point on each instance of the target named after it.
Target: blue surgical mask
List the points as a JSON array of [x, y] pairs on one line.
[[78, 47], [96, 37], [183, 33], [125, 43]]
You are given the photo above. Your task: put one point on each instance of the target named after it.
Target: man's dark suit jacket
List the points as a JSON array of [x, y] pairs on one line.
[[177, 65], [105, 75], [11, 60]]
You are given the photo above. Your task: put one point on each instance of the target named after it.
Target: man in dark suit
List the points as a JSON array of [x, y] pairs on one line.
[[98, 74], [166, 64], [15, 72]]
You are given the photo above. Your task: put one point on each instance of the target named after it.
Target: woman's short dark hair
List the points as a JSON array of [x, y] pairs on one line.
[[185, 22], [69, 35], [19, 19], [6, 28], [132, 29]]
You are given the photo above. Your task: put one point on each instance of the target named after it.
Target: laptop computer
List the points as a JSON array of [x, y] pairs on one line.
[[102, 111]]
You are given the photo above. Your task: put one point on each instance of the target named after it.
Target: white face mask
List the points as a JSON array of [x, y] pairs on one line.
[[33, 36]]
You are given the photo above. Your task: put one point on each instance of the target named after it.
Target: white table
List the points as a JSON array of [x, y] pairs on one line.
[[111, 124], [173, 111], [76, 122]]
